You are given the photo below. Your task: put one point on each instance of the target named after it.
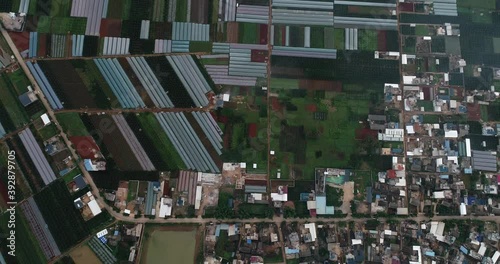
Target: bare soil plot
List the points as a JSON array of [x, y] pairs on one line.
[[67, 84], [199, 11], [84, 255], [111, 27], [232, 32], [115, 143]]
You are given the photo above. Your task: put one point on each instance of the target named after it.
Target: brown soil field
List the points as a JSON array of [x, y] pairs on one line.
[[110, 27], [199, 11], [136, 82], [68, 83], [115, 143], [84, 255], [232, 32]]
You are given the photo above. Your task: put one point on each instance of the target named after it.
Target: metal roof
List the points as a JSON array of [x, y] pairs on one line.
[[484, 160], [93, 10], [252, 14], [115, 46], [24, 6], [371, 4], [255, 189], [163, 46], [220, 48], [302, 17], [33, 45], [58, 46], [181, 46], [2, 131], [145, 29], [37, 156], [362, 22], [229, 10], [77, 45], [351, 39], [191, 77], [240, 61], [211, 132], [304, 4], [190, 31], [220, 75], [305, 52]]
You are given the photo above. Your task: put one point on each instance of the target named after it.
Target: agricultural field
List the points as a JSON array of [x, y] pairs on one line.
[[171, 244], [84, 255], [27, 250], [163, 145], [318, 127], [72, 124], [244, 123], [55, 202], [12, 113]]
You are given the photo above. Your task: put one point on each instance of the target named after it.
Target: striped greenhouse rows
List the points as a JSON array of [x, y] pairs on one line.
[[44, 84], [191, 77], [150, 82], [119, 82], [36, 154]]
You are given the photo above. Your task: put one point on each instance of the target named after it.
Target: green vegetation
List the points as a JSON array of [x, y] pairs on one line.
[[247, 210], [62, 25], [132, 190], [484, 4], [9, 100], [60, 8], [181, 10], [32, 7], [72, 124], [339, 38], [72, 174], [282, 83], [327, 141], [317, 37], [200, 46], [19, 81], [153, 129], [48, 131], [221, 245], [247, 33], [274, 258], [367, 39], [63, 220], [334, 196], [422, 30]]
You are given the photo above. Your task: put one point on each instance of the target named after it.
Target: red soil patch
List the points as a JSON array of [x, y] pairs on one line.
[[85, 146], [252, 130], [325, 85], [263, 33], [406, 7], [111, 27], [42, 45], [427, 92], [275, 104], [382, 40], [21, 40], [258, 55], [365, 133], [232, 32], [474, 112], [311, 108]]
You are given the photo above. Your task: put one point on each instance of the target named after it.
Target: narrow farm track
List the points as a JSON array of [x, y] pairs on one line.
[[118, 56], [135, 110]]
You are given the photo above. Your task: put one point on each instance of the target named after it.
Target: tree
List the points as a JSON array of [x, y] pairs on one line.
[[289, 212]]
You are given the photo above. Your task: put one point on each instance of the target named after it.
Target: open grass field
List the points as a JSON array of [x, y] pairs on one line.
[[83, 255], [367, 39], [320, 130], [9, 100], [132, 190], [98, 88], [62, 25], [60, 8], [485, 4], [169, 244], [19, 81], [48, 131], [164, 146], [317, 37], [181, 10], [72, 124], [248, 33], [72, 174], [339, 38], [63, 219]]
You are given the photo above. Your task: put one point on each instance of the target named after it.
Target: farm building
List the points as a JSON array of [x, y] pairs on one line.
[[187, 184], [165, 207], [484, 160], [86, 147]]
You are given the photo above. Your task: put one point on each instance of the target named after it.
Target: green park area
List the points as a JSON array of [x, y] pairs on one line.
[[314, 129]]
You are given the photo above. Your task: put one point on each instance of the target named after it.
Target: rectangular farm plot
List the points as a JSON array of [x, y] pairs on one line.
[[115, 143], [11, 104]]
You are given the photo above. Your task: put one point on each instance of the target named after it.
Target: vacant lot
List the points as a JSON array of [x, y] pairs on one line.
[[170, 244], [84, 255], [72, 124]]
